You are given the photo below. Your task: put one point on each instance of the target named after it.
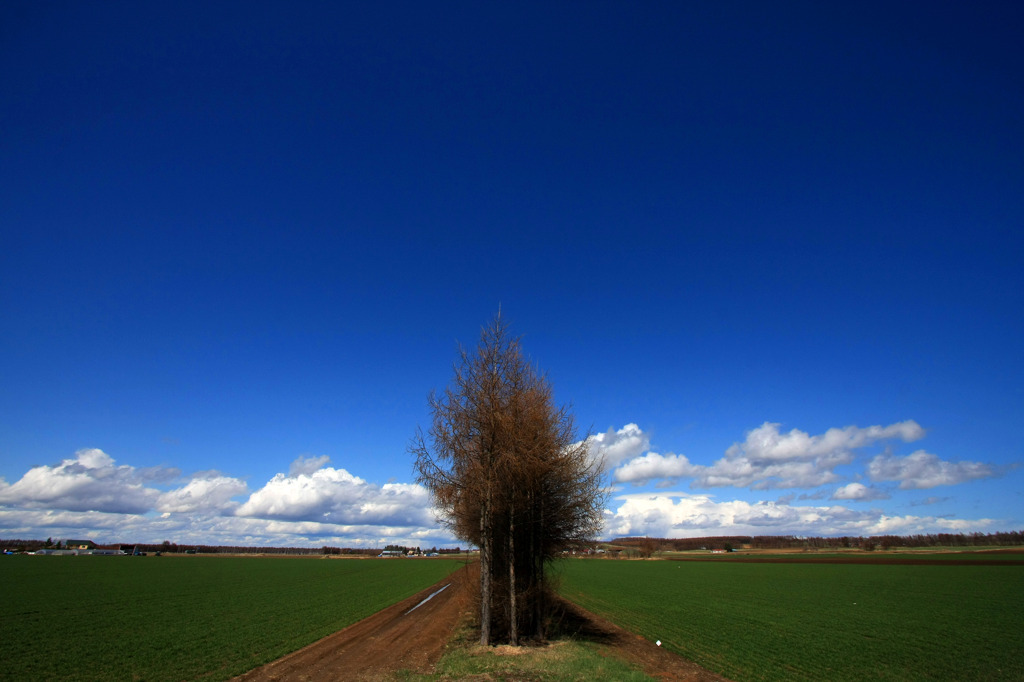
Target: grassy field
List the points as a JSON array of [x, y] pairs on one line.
[[764, 621], [185, 618]]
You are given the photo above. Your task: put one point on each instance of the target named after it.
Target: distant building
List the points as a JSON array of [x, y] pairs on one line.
[[79, 544]]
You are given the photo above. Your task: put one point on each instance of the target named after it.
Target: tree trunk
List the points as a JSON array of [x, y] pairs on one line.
[[513, 626], [485, 569], [538, 581]]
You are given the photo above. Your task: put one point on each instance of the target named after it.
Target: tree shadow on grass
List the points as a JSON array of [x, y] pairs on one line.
[[568, 621]]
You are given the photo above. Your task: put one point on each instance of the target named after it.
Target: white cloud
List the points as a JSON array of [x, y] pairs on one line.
[[766, 444], [210, 493], [654, 466], [212, 529], [913, 525], [921, 470], [339, 497], [307, 465], [302, 496], [93, 482], [768, 459], [90, 495], [88, 482], [859, 491], [31, 523], [675, 514], [743, 472], [616, 447]]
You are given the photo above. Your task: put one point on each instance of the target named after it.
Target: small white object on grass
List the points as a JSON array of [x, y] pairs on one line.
[[658, 642]]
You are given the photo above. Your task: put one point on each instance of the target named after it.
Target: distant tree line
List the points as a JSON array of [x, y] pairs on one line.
[[403, 549], [168, 547], [645, 545], [417, 550], [349, 551], [225, 549], [642, 545]]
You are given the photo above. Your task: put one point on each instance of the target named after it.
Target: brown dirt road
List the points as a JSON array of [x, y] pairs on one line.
[[409, 635], [412, 634]]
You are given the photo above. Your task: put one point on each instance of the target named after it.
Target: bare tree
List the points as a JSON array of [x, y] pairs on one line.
[[648, 546], [509, 474]]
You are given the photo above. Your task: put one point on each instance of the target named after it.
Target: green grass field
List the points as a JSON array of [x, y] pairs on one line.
[[185, 618], [796, 621]]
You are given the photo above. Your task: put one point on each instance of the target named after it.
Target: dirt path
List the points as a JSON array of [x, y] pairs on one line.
[[412, 634], [409, 635]]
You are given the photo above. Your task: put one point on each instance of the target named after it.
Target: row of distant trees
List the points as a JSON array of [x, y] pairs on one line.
[[169, 547], [646, 544], [392, 548], [639, 544]]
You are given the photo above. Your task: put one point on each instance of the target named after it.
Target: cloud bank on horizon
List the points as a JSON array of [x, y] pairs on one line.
[[316, 504], [768, 459]]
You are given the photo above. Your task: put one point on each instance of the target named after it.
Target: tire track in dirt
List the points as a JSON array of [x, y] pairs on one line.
[[409, 635]]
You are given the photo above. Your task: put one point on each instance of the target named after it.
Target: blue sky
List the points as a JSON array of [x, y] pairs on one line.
[[771, 256]]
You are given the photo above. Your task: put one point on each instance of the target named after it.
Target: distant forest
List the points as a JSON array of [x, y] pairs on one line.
[[1012, 538], [643, 544], [173, 548]]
